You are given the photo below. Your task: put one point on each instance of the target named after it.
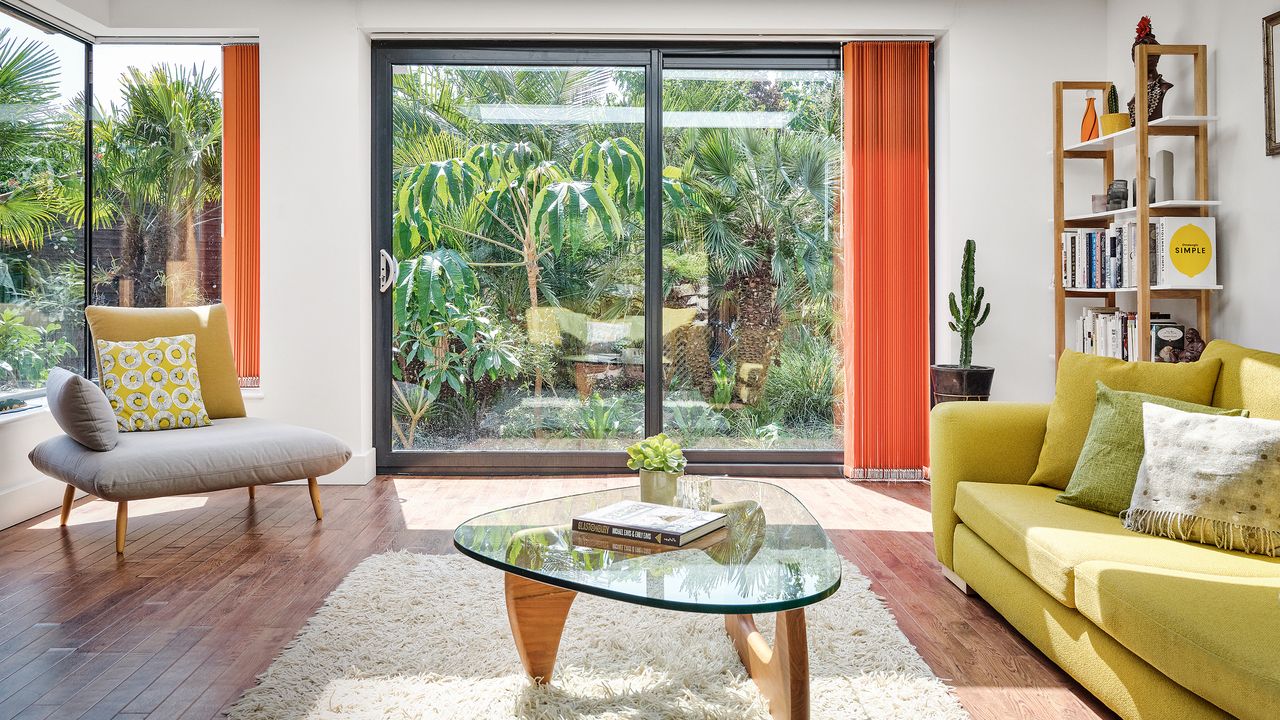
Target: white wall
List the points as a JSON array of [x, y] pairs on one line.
[[1242, 176], [995, 62]]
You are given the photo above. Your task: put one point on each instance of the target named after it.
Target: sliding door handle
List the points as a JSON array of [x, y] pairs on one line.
[[388, 271]]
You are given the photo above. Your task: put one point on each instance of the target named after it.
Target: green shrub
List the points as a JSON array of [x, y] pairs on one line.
[[801, 390], [724, 380], [28, 352]]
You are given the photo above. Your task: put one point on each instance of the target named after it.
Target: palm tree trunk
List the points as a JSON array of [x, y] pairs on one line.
[[688, 346], [759, 329]]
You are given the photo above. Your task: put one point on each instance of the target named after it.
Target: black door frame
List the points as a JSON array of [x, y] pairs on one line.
[[653, 59]]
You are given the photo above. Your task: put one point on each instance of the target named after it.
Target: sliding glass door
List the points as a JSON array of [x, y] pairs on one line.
[[748, 266], [576, 248]]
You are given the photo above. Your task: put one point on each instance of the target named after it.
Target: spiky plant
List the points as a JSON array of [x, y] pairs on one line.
[[968, 314], [1113, 100]]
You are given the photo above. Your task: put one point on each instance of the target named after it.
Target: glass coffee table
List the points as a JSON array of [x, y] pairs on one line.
[[774, 557]]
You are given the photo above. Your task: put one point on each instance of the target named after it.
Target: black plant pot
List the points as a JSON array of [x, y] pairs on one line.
[[954, 383]]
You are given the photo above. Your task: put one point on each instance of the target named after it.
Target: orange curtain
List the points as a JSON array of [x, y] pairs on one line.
[[240, 205], [885, 267]]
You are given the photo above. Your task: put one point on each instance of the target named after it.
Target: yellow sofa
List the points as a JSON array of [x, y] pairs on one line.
[[1155, 628]]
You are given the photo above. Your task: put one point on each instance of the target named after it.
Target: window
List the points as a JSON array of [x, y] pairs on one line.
[[42, 203], [532, 309], [157, 175], [150, 235]]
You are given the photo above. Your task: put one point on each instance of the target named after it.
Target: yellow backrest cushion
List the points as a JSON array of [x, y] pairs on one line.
[[218, 382], [1249, 379], [152, 384], [1076, 390]]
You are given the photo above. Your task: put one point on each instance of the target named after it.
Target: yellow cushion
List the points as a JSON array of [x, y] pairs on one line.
[[1111, 672], [1046, 540], [1214, 635], [1072, 409], [152, 384], [218, 382], [1249, 379]]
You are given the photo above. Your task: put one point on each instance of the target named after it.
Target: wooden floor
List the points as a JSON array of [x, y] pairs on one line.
[[212, 587]]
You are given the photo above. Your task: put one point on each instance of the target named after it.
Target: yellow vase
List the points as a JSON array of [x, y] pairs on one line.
[[1113, 123]]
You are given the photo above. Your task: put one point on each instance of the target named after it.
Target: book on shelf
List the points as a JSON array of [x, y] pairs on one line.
[[632, 520], [1186, 250], [1098, 258], [1167, 340], [1182, 254], [635, 547], [1112, 332]]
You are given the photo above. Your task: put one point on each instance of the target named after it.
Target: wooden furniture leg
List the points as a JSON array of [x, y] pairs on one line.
[[68, 496], [537, 612], [314, 488], [252, 492], [122, 524], [781, 672]]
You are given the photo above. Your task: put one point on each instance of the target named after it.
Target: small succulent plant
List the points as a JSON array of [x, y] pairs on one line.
[[658, 453], [1113, 100]]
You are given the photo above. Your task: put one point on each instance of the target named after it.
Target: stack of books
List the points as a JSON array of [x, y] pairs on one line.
[[640, 527], [1112, 332]]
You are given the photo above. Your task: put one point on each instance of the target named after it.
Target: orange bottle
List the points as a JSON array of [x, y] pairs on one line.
[[1089, 125]]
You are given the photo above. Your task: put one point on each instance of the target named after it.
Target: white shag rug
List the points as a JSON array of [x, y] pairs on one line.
[[426, 636]]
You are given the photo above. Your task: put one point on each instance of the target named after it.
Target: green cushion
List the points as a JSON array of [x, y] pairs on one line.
[[1108, 466], [1072, 408]]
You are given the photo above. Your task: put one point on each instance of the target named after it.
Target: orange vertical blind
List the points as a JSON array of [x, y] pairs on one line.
[[240, 204], [885, 267]]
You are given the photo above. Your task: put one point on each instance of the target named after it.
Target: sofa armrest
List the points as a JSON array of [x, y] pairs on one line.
[[993, 442]]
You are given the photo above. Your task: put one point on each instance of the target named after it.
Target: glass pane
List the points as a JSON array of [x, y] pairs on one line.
[[749, 263], [518, 229], [41, 205], [157, 134]]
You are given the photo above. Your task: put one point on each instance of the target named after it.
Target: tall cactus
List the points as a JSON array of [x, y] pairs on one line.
[[969, 313], [1113, 100]]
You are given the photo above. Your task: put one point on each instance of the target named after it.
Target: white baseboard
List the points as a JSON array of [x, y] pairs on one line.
[[19, 504]]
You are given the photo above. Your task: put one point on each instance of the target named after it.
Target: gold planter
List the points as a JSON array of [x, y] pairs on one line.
[[1113, 123], [658, 487]]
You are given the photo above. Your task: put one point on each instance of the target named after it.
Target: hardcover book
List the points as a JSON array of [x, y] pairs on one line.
[[1187, 254], [632, 520], [633, 547]]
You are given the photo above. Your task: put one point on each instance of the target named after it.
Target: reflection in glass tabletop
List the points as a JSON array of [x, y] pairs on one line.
[[774, 557]]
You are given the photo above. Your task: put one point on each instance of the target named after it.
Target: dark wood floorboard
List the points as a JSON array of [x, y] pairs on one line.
[[213, 586]]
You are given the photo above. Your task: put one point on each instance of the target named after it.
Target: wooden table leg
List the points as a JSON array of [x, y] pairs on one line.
[[537, 612], [782, 671]]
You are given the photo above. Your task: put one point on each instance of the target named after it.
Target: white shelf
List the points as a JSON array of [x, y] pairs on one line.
[[1129, 136], [1154, 288], [1163, 205]]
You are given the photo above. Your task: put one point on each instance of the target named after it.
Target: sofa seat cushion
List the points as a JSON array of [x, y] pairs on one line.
[[230, 453], [1212, 634], [1046, 540]]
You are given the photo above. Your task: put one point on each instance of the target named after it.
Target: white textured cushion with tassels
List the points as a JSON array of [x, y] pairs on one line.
[[1210, 479]]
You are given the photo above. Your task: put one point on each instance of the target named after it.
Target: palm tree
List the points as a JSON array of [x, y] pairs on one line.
[[158, 167], [30, 201], [767, 202]]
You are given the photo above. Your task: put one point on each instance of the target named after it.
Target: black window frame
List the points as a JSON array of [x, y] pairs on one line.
[[84, 366], [653, 58]]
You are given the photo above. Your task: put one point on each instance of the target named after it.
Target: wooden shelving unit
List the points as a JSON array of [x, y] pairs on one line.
[[1104, 148]]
